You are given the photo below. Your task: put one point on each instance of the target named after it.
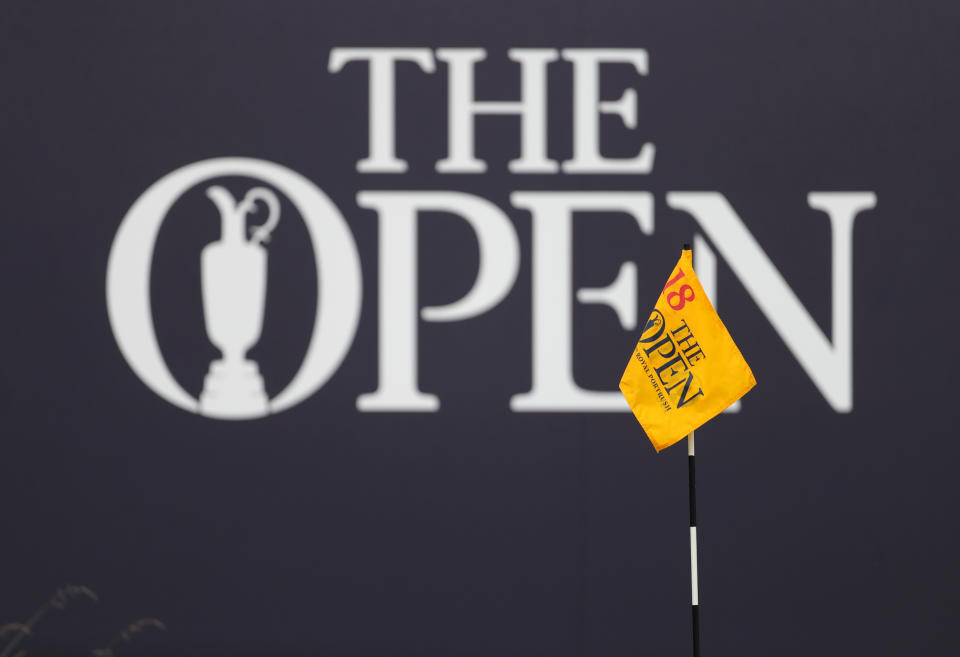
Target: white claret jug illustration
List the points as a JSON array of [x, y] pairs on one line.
[[234, 284]]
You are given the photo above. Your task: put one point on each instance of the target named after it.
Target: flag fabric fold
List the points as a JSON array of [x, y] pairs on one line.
[[685, 368]]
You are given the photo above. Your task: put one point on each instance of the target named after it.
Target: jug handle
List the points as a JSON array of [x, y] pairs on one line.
[[261, 233]]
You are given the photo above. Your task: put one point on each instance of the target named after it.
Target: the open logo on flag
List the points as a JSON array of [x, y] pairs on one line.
[[685, 368]]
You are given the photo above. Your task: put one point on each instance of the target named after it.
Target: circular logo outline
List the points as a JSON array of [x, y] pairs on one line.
[[338, 278]]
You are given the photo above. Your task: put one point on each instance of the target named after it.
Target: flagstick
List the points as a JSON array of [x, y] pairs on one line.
[[694, 587]]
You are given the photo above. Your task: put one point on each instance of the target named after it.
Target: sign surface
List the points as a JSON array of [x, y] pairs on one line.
[[314, 317]]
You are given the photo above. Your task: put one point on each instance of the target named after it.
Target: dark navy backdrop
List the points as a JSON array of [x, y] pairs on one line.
[[475, 530]]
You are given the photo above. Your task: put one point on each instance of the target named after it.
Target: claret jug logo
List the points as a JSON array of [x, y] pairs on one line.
[[234, 277], [234, 286]]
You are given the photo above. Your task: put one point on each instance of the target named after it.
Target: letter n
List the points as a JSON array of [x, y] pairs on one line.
[[828, 364]]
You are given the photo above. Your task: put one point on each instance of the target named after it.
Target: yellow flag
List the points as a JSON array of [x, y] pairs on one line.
[[685, 368]]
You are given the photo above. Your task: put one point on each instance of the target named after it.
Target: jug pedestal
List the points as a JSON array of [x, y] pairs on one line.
[[233, 390]]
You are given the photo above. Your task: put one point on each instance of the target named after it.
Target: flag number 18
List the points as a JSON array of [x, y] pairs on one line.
[[677, 299]]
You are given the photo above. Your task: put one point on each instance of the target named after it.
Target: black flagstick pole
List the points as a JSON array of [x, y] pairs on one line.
[[694, 586]]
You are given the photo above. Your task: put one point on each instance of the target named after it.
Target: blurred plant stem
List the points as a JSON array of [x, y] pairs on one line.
[[58, 600], [126, 635]]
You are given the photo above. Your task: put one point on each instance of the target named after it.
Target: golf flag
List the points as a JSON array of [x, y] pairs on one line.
[[685, 368]]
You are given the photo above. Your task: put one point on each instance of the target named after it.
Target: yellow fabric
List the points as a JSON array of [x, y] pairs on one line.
[[685, 368]]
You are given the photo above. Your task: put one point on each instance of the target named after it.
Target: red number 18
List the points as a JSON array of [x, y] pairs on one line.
[[678, 298]]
